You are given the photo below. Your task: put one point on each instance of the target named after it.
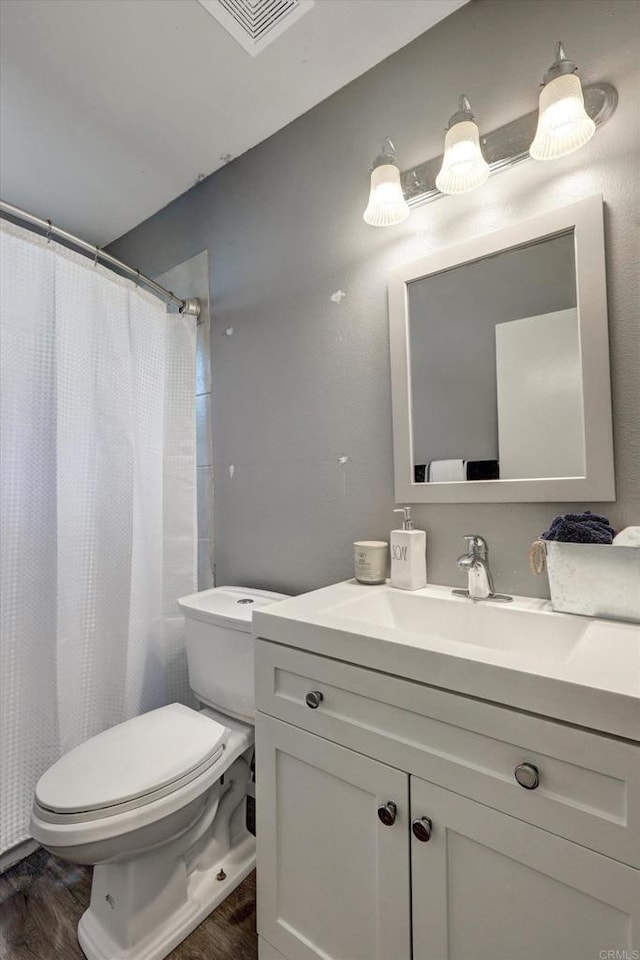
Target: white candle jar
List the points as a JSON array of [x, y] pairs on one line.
[[370, 560]]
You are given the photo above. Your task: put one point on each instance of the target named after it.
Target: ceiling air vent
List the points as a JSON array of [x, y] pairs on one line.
[[255, 23]]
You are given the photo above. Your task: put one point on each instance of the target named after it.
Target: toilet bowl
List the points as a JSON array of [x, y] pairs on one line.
[[157, 804]]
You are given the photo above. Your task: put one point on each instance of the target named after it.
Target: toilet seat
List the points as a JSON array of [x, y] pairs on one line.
[[66, 831], [130, 765]]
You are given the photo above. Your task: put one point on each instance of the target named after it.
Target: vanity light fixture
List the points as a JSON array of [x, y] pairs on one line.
[[463, 166], [568, 116], [387, 204], [563, 123]]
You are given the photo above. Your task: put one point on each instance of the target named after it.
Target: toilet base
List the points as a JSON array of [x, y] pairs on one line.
[[203, 892]]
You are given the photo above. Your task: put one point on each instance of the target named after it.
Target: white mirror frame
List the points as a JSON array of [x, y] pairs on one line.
[[585, 218]]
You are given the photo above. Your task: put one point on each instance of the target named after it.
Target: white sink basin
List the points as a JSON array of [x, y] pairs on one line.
[[579, 669], [485, 624]]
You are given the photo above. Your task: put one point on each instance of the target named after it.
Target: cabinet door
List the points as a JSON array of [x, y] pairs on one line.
[[489, 887], [333, 880]]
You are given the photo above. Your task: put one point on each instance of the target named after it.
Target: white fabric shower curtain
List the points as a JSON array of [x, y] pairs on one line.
[[97, 507]]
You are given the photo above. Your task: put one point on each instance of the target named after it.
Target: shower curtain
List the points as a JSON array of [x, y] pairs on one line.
[[97, 507]]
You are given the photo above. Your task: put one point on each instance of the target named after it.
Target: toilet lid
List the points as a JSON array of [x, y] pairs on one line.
[[135, 759]]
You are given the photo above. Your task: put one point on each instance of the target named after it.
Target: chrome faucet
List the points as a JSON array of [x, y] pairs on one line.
[[476, 564]]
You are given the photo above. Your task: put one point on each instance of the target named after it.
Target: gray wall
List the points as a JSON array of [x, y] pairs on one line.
[[452, 323], [304, 382]]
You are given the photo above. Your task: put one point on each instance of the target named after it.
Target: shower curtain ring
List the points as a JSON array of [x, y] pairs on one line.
[[137, 278], [49, 227], [95, 259]]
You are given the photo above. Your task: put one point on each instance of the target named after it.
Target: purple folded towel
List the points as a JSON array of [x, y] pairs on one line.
[[580, 528], [586, 517]]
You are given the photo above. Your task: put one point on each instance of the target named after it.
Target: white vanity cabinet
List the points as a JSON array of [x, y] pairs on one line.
[[469, 864], [489, 887], [334, 879]]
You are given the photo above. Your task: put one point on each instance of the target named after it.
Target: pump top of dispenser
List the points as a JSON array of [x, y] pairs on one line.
[[407, 520]]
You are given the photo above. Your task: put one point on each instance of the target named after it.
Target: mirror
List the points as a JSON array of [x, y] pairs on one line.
[[500, 366], [496, 389]]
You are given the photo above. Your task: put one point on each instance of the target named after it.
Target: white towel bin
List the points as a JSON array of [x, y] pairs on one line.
[[595, 580]]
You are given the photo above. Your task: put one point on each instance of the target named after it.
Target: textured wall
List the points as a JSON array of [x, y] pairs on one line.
[[304, 381]]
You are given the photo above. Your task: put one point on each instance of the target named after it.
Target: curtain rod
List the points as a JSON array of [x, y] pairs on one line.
[[189, 307]]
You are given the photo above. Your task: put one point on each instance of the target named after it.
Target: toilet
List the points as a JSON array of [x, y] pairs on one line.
[[158, 804]]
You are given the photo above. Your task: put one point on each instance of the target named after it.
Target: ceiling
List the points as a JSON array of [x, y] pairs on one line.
[[109, 109]]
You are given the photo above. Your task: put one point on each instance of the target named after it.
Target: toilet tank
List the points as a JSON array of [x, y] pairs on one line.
[[220, 646]]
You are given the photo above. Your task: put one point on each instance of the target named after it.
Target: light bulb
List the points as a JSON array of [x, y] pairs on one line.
[[563, 123], [463, 166], [387, 204]]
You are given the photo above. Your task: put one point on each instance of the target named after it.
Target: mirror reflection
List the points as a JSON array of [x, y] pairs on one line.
[[496, 382]]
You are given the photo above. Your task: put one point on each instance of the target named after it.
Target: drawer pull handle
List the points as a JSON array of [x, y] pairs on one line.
[[421, 829], [313, 699], [527, 775], [387, 813]]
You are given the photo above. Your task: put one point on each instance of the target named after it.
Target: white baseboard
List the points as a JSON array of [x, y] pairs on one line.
[[15, 854]]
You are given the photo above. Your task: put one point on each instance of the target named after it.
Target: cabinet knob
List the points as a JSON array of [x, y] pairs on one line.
[[313, 699], [387, 813], [421, 829], [527, 775]]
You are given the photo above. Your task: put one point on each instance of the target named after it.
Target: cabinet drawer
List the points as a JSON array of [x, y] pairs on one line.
[[589, 785]]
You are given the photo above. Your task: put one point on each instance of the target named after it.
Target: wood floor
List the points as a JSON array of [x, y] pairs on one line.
[[42, 899]]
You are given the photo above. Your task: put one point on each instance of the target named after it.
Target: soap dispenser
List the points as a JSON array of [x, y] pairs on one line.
[[408, 554]]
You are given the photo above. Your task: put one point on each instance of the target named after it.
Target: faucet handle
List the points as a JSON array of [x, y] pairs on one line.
[[477, 544]]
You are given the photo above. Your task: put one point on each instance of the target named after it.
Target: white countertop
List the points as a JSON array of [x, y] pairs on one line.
[[589, 676]]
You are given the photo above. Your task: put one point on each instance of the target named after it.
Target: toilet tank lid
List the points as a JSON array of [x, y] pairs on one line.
[[227, 606]]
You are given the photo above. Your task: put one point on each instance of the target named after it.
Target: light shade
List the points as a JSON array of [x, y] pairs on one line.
[[387, 204], [463, 166], [563, 123]]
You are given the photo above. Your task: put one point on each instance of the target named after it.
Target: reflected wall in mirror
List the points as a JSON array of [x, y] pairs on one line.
[[500, 366]]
